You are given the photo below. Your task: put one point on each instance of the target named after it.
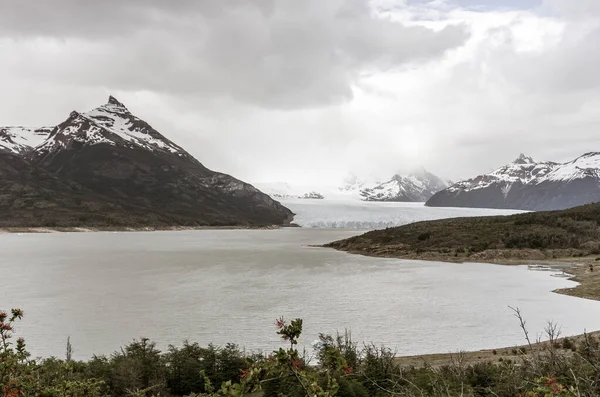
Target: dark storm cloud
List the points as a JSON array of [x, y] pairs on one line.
[[272, 53]]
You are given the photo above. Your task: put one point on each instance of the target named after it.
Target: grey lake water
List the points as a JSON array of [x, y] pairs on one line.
[[104, 289]]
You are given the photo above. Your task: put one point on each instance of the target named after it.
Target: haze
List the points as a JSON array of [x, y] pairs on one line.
[[310, 91]]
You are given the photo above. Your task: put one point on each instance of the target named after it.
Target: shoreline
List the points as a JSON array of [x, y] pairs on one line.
[[497, 355], [576, 268], [83, 229]]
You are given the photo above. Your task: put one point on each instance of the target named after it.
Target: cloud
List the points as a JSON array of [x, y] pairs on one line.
[[276, 53], [310, 91], [573, 9]]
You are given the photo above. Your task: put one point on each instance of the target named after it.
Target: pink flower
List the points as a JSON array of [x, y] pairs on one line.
[[280, 323]]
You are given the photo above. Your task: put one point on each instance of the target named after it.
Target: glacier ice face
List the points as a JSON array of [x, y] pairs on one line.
[[349, 214]]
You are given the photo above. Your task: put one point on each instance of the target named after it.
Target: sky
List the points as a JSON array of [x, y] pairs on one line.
[[311, 92]]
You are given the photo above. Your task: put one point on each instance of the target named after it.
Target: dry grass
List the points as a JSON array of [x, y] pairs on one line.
[[505, 354]]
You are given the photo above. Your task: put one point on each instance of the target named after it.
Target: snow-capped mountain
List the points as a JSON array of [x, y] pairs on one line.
[[120, 159], [586, 166], [20, 140], [111, 124], [528, 185], [417, 186], [354, 184], [283, 190]]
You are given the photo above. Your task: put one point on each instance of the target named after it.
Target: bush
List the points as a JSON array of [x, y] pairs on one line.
[[343, 370], [424, 236]]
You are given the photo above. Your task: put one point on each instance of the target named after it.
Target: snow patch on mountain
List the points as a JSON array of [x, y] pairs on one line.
[[585, 166], [417, 186], [116, 118], [523, 170], [111, 124], [21, 139], [529, 185]]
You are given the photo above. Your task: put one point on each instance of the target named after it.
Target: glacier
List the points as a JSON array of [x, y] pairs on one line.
[[365, 215]]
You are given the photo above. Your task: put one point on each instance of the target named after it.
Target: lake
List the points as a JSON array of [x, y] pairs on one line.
[[104, 289]]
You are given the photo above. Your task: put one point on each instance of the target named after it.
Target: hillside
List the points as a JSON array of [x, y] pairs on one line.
[[107, 167], [528, 185], [535, 235]]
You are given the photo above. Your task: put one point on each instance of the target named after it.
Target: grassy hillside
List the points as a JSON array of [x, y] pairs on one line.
[[536, 235]]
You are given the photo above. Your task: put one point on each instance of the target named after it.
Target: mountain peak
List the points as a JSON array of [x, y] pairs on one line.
[[522, 159], [115, 102]]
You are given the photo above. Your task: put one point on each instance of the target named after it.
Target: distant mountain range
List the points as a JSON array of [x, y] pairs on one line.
[[528, 185], [283, 190], [107, 167], [417, 186]]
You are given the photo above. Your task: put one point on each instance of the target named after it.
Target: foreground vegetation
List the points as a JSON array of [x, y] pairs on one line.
[[339, 367]]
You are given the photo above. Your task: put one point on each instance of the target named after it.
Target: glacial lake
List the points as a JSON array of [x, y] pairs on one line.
[[105, 289]]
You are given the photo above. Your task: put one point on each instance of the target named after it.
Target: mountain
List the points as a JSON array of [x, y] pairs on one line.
[[417, 186], [21, 140], [120, 161], [528, 185], [283, 190], [352, 185], [528, 236], [32, 197]]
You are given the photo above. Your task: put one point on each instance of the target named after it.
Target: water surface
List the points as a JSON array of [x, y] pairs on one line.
[[104, 289]]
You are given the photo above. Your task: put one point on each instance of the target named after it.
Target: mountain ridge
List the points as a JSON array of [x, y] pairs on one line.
[[528, 185], [121, 159], [416, 186]]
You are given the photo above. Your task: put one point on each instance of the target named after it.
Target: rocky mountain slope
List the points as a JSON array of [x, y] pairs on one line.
[[528, 185], [120, 161], [417, 186], [21, 140]]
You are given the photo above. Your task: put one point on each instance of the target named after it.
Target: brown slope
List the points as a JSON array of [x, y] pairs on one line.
[[554, 233], [32, 197]]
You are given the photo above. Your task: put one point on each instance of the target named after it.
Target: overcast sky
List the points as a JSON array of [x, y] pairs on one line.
[[311, 91]]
